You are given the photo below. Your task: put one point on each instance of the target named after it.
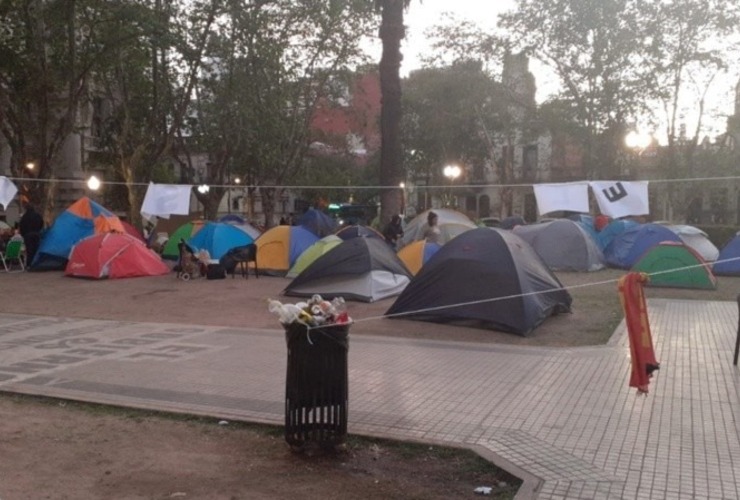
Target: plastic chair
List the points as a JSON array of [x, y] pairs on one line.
[[13, 254]]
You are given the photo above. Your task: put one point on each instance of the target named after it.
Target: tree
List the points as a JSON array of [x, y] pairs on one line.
[[148, 85], [453, 114], [264, 77], [48, 52], [392, 31], [690, 46], [597, 50]]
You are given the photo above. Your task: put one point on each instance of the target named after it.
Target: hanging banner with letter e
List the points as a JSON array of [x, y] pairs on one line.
[[621, 198]]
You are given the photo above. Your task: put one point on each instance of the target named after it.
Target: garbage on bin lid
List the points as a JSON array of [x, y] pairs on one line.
[[315, 312]]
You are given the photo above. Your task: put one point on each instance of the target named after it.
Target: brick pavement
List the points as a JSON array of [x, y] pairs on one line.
[[564, 419]]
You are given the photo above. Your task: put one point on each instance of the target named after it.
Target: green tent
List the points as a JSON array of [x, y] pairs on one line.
[[185, 232], [676, 265], [312, 253]]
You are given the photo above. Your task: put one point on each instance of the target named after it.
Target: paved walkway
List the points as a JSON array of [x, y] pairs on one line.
[[564, 419]]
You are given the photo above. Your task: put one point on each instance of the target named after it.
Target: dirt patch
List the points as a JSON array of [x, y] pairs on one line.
[[242, 302], [63, 450]]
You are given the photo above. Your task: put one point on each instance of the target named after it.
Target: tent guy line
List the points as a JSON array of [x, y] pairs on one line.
[[516, 296], [416, 186]]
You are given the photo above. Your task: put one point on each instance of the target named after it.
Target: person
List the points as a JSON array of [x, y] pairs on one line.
[[30, 227], [393, 231], [283, 221], [431, 231]]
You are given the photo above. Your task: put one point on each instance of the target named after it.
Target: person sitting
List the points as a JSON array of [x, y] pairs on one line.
[[393, 231]]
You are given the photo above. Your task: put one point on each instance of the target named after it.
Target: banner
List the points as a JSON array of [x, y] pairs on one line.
[[572, 196], [7, 191], [621, 198], [163, 200], [632, 297]]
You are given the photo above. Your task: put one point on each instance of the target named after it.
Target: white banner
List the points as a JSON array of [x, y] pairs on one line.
[[7, 191], [163, 200], [621, 198], [572, 196]]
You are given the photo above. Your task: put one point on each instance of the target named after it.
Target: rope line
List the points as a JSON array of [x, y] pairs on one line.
[[516, 296], [344, 187]]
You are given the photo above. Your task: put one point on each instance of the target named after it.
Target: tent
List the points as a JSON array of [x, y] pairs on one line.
[[184, 232], [512, 221], [724, 265], [132, 231], [470, 272], [317, 222], [218, 238], [677, 265], [358, 230], [563, 245], [451, 223], [608, 233], [696, 239], [626, 249], [81, 219], [279, 248], [113, 255], [248, 228], [363, 269], [232, 219], [416, 254], [312, 253]]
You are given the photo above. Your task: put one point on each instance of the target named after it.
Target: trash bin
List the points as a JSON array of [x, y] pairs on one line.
[[316, 387]]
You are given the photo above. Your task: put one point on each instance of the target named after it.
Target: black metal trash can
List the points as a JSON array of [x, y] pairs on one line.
[[316, 385]]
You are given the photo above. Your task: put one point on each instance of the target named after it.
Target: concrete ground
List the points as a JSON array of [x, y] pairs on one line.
[[563, 419]]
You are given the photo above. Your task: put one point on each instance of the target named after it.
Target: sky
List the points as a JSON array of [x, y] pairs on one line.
[[423, 14]]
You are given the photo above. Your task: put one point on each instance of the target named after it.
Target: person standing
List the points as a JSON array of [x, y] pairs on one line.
[[30, 227], [393, 231], [431, 231]]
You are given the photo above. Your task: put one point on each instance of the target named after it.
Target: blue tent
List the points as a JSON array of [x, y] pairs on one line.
[[237, 219], [81, 219], [317, 222], [626, 249], [730, 251], [218, 238]]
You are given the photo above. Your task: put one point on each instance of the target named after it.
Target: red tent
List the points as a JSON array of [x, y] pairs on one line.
[[132, 230], [113, 255]]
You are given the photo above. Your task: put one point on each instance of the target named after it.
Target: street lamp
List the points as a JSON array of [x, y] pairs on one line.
[[93, 183], [638, 140], [452, 172]]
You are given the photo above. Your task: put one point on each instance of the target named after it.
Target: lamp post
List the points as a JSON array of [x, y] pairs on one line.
[[25, 191], [452, 172], [402, 185]]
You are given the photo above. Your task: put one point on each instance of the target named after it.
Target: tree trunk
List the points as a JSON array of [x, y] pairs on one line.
[[268, 206], [392, 32]]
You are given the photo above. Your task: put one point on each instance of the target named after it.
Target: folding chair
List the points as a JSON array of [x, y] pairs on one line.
[[13, 254]]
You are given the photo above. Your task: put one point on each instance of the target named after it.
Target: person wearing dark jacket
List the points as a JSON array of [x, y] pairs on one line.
[[31, 225], [393, 231]]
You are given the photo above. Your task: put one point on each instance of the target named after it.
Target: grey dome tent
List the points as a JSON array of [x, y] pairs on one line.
[[473, 270], [363, 269], [563, 245]]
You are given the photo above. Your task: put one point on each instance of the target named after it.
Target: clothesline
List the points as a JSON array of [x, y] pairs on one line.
[[355, 187]]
